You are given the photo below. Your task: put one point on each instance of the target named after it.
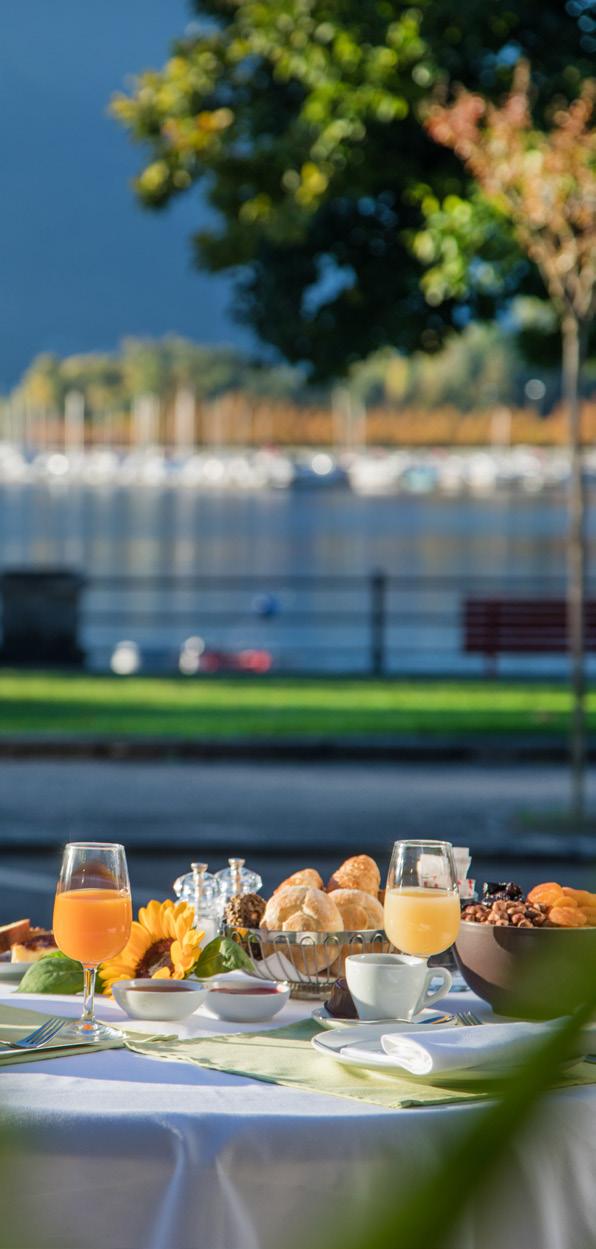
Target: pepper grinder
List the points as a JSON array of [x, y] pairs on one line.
[[236, 866]]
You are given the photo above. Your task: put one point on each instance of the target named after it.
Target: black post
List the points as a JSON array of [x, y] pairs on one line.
[[378, 595]]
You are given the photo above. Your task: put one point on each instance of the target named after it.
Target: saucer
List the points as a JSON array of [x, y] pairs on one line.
[[321, 1016]]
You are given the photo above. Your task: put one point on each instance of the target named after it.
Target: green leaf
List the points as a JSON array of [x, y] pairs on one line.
[[54, 973], [222, 954]]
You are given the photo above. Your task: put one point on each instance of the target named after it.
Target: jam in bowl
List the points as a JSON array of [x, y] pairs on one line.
[[246, 1000]]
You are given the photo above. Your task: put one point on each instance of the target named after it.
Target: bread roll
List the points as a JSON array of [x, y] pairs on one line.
[[298, 908], [359, 872], [305, 912], [308, 877], [359, 910]]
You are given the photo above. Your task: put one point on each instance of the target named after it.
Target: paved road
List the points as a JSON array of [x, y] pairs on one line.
[[280, 816], [270, 806]]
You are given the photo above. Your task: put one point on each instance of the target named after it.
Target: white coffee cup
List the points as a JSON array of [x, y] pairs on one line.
[[393, 986]]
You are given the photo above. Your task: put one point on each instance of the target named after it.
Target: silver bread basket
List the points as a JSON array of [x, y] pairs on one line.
[[310, 961]]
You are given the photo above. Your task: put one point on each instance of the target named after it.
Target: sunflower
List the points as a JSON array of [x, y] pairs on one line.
[[162, 944]]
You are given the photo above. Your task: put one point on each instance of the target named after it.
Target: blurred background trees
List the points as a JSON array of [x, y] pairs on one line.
[[303, 120], [476, 370], [543, 185]]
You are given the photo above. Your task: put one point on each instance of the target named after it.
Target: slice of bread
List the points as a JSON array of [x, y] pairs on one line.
[[19, 930], [36, 946]]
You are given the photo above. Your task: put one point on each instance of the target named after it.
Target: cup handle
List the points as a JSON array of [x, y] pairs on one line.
[[444, 987]]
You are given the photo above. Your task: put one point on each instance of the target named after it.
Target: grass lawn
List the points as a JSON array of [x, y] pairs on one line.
[[40, 703]]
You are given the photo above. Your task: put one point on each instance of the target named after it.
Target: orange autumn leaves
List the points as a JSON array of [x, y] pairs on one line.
[[567, 907]]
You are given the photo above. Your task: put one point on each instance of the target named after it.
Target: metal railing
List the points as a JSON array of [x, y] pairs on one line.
[[373, 623], [370, 624]]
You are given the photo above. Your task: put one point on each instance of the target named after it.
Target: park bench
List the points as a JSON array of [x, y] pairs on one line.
[[520, 626]]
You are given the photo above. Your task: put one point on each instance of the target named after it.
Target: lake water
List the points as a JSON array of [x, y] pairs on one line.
[[443, 548]]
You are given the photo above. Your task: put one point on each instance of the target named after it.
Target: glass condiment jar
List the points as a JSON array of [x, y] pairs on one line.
[[237, 879], [201, 889]]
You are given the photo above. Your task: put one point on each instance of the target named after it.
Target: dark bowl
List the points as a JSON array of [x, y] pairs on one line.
[[529, 973]]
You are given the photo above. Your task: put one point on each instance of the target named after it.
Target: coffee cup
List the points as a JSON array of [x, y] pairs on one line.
[[393, 986]]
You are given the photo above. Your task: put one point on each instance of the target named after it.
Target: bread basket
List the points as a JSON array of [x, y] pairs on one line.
[[310, 961]]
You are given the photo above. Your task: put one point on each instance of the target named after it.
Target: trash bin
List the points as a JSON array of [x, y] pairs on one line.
[[40, 618]]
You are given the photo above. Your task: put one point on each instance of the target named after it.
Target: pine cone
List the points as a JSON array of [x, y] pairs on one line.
[[245, 910]]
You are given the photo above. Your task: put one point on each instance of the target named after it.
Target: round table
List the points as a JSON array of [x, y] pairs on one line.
[[125, 1152]]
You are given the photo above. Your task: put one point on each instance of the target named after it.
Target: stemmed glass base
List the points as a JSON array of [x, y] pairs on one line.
[[88, 1031]]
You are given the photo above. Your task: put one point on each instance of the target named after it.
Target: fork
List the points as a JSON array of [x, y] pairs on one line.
[[40, 1036], [468, 1019]]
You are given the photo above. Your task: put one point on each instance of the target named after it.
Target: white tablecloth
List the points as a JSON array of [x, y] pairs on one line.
[[125, 1152]]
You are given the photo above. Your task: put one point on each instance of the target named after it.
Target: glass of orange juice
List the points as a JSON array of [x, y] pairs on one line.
[[422, 911], [92, 919]]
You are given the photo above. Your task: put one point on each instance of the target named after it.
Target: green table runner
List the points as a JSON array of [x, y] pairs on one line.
[[16, 1023], [280, 1056], [285, 1056]]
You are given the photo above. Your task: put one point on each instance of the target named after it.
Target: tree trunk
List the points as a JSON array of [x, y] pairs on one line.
[[576, 563]]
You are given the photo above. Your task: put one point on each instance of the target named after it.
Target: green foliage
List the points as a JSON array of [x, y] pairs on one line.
[[304, 119], [111, 381], [470, 371], [474, 369], [221, 955], [55, 973]]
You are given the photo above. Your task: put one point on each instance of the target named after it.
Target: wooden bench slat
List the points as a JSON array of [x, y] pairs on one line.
[[494, 626]]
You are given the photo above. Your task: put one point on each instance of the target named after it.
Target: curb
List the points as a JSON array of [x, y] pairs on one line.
[[486, 750]]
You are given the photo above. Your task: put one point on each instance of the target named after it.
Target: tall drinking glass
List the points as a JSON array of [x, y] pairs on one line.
[[422, 911], [92, 919]]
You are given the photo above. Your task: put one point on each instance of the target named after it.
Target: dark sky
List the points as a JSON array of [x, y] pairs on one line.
[[81, 264]]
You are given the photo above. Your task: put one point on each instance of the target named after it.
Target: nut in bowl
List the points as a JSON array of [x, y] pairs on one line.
[[159, 1000], [519, 954]]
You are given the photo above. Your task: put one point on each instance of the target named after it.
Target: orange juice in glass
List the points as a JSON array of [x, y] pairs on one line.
[[92, 919], [92, 925], [422, 910]]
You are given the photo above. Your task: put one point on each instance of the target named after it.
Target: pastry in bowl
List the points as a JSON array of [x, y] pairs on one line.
[[302, 910], [361, 913], [307, 876], [359, 910], [358, 872], [299, 908]]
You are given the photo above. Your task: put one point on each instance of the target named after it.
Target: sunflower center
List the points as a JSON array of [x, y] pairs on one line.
[[156, 957]]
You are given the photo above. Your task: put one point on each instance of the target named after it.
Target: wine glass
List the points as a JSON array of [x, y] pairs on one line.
[[92, 919], [422, 911]]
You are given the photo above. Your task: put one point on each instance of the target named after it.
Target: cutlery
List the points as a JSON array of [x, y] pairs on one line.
[[468, 1019], [40, 1036]]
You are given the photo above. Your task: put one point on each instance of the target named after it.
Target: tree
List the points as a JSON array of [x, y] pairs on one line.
[[544, 185], [302, 119]]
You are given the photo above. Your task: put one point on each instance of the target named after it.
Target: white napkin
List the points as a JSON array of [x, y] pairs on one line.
[[483, 1047]]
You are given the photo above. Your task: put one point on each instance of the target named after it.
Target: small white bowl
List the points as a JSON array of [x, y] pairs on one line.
[[159, 999], [247, 1001]]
